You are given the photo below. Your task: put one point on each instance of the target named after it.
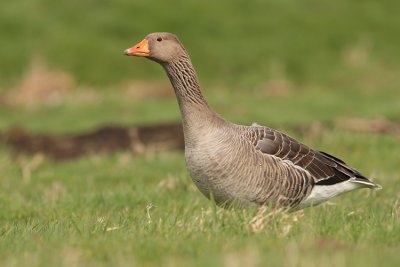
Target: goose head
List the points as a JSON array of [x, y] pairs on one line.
[[161, 47]]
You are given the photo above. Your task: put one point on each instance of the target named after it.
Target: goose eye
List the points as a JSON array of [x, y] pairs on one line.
[[159, 39]]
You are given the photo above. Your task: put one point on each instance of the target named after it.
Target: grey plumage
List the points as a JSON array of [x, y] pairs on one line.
[[249, 164]]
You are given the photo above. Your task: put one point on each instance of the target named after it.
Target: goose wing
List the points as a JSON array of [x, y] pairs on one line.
[[324, 168]]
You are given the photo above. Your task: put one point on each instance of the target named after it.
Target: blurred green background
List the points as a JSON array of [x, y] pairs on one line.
[[234, 43], [332, 59], [282, 63]]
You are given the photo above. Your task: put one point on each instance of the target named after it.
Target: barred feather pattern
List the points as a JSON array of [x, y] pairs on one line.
[[184, 79], [231, 167]]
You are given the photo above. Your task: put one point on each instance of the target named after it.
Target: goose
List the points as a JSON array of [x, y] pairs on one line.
[[232, 163]]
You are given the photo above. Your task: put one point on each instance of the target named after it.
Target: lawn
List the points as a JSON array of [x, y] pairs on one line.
[[126, 209], [285, 64]]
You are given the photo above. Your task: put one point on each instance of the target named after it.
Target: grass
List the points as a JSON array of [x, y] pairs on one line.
[[301, 40], [144, 210], [94, 211], [278, 63]]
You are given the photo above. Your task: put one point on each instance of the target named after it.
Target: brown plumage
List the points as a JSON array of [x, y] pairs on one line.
[[246, 164]]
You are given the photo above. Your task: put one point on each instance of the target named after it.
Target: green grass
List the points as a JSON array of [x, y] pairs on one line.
[[246, 44], [93, 211], [338, 59], [62, 213]]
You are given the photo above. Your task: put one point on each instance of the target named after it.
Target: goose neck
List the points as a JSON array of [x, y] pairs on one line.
[[195, 111], [184, 80]]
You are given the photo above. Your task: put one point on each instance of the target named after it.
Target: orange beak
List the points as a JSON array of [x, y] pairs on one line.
[[139, 50]]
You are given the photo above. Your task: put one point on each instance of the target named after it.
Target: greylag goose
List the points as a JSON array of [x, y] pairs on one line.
[[244, 164]]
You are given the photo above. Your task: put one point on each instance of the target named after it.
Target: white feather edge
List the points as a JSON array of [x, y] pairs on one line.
[[322, 193]]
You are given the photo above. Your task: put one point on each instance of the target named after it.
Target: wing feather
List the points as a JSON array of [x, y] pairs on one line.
[[324, 168]]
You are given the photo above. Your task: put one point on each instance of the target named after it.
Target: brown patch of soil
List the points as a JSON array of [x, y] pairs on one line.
[[40, 85], [277, 87], [378, 125], [147, 90], [105, 140], [331, 243], [311, 130]]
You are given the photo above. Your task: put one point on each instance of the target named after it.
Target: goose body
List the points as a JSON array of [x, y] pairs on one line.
[[246, 164]]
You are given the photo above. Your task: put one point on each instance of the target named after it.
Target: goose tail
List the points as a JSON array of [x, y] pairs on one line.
[[362, 182]]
